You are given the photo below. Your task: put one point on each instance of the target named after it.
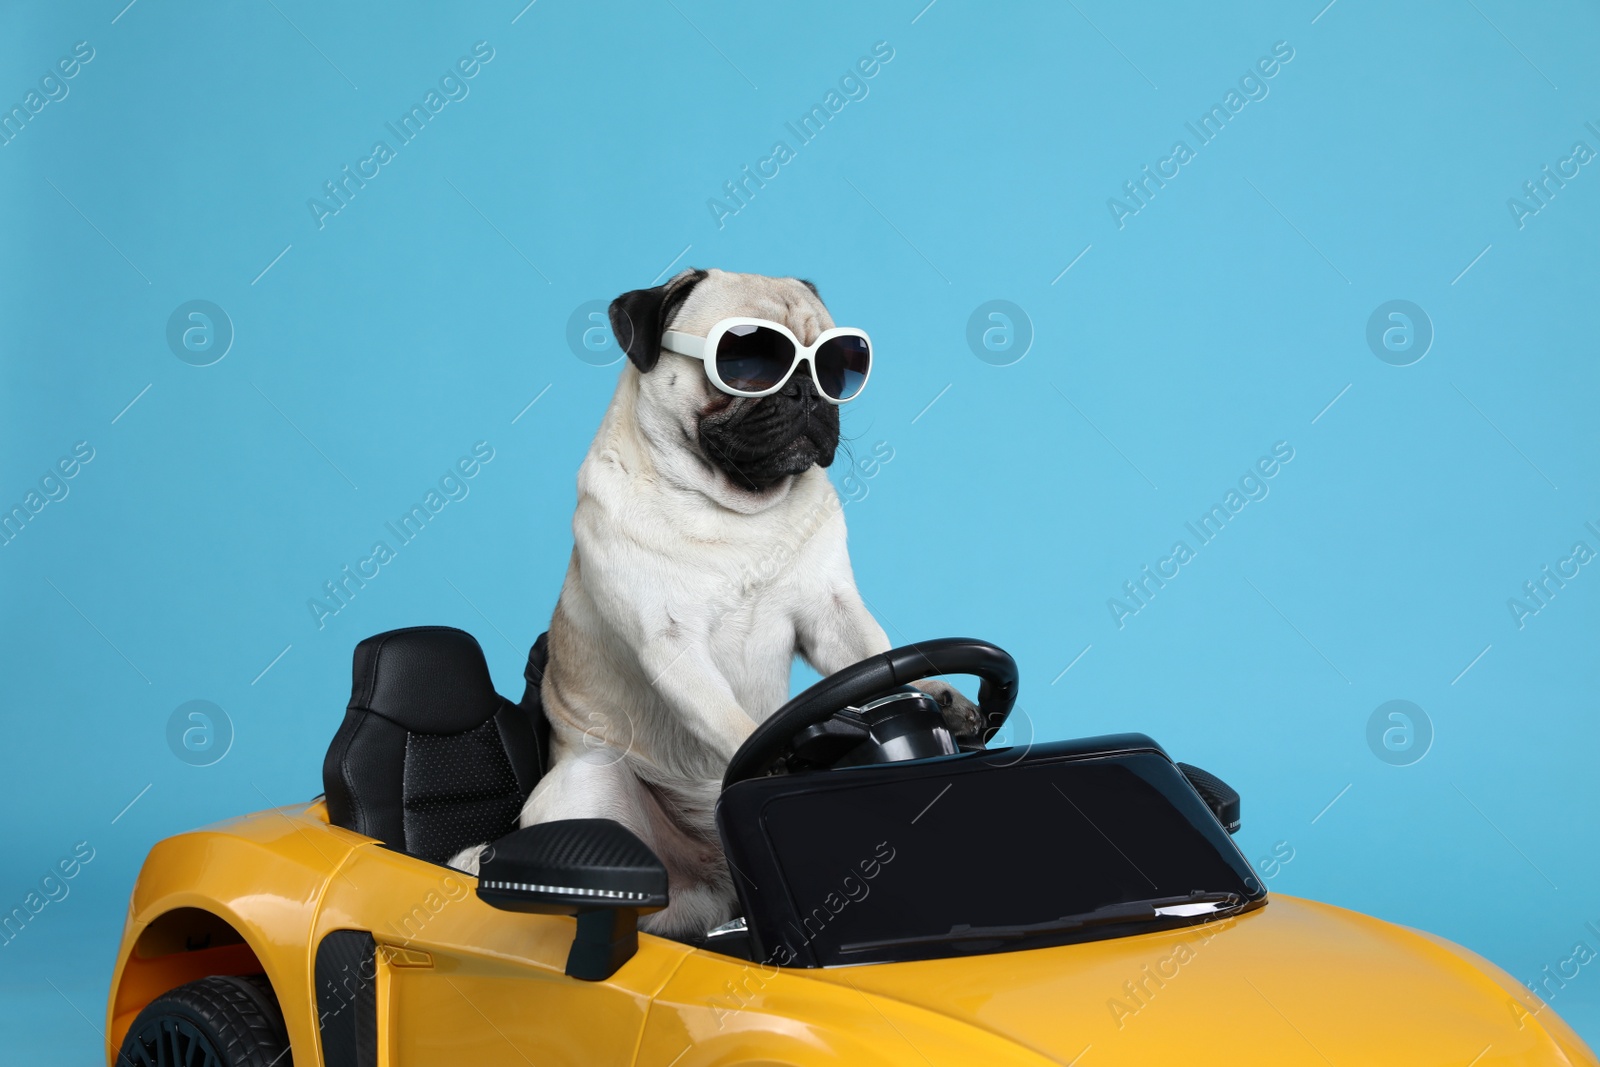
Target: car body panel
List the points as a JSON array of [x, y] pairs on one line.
[[458, 981], [464, 982], [455, 979], [718, 1010], [264, 874], [1293, 982]]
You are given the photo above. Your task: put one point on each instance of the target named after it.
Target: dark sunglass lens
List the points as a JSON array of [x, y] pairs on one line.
[[754, 358], [842, 365]]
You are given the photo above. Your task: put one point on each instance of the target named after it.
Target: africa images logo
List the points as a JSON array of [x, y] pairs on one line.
[[852, 87], [1208, 127], [53, 89], [453, 486], [1252, 487], [1537, 192], [453, 88]]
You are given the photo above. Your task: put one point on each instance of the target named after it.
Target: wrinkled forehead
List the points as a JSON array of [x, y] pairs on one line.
[[723, 296]]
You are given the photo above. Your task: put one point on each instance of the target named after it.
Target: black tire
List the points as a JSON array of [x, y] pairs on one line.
[[223, 1021]]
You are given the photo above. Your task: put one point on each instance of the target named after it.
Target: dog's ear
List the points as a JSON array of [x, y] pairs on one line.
[[639, 318], [808, 285]]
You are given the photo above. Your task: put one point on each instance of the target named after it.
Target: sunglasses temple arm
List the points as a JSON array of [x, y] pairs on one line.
[[686, 344]]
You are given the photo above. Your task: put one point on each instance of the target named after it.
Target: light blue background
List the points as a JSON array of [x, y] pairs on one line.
[[1224, 317]]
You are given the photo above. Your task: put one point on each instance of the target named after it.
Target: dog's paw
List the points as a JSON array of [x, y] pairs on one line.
[[467, 859], [961, 716]]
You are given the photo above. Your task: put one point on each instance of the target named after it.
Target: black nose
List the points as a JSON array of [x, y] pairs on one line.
[[799, 385]]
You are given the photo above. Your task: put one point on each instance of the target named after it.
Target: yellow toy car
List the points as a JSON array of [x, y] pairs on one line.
[[906, 900]]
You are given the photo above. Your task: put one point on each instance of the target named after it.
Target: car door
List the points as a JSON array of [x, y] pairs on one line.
[[454, 981]]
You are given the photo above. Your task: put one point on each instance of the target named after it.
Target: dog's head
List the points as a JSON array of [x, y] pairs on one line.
[[756, 443]]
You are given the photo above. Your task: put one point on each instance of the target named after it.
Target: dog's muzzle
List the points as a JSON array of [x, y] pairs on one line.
[[759, 442]]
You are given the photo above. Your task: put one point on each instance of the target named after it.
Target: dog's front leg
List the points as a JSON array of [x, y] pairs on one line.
[[835, 629], [668, 636], [841, 631], [682, 673]]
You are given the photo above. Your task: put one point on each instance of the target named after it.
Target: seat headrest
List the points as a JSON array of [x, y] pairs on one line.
[[428, 679]]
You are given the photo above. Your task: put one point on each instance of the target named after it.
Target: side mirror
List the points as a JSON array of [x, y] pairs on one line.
[[592, 868], [1220, 797]]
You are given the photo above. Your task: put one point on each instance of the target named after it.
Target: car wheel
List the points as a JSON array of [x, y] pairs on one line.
[[223, 1021]]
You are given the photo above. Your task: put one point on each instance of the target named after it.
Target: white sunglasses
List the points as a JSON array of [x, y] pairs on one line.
[[757, 357]]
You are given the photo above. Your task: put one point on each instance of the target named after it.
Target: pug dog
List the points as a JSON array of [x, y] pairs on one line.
[[709, 551]]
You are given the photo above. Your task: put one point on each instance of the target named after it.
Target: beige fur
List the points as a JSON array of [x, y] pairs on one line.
[[685, 602]]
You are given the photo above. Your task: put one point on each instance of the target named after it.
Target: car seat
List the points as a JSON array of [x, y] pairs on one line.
[[430, 759]]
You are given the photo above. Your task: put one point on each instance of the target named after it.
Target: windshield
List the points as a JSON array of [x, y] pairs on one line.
[[979, 853]]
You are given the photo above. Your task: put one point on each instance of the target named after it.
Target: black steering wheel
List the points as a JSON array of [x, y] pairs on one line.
[[860, 683]]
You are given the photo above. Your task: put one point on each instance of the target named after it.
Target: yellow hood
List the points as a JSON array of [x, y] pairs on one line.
[[1295, 982]]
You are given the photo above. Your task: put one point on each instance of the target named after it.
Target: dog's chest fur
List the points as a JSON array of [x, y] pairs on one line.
[[738, 578], [718, 584]]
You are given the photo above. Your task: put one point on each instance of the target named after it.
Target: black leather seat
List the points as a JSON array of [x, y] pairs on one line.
[[430, 759]]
